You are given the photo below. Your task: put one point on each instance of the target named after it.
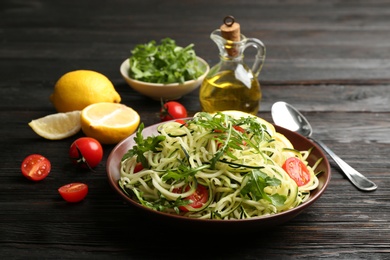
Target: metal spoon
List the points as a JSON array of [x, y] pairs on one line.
[[285, 115]]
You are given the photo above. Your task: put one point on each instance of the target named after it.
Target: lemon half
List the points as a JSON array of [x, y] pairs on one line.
[[109, 123]]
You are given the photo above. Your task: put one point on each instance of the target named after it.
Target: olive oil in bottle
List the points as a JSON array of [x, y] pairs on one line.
[[224, 91], [231, 84]]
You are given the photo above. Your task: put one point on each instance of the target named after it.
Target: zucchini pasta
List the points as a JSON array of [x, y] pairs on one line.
[[228, 165]]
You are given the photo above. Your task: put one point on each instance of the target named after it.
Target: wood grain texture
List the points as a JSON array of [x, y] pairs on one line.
[[330, 59]]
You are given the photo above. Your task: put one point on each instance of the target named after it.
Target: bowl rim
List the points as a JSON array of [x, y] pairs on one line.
[[261, 220], [126, 65]]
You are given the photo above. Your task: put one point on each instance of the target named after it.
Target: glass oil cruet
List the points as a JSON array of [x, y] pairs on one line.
[[231, 84]]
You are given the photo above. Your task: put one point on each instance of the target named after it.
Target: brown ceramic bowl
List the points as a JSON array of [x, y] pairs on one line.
[[253, 224]]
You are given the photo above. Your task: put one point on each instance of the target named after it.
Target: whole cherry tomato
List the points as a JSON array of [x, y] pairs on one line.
[[35, 167], [172, 110], [86, 152], [73, 192]]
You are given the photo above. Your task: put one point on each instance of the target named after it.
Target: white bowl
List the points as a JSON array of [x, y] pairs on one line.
[[158, 91]]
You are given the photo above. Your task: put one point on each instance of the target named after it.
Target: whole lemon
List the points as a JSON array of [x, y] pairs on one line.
[[77, 89]]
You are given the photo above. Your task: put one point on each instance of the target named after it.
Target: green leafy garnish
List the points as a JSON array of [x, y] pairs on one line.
[[223, 129], [257, 181], [165, 63], [150, 143], [183, 172], [160, 204]]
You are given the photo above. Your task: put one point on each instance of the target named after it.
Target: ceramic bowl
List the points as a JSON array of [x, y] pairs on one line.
[[245, 225], [159, 91]]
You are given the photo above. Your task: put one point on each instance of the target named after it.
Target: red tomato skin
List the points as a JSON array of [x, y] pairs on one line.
[[86, 152], [73, 192], [172, 110], [35, 167], [138, 167], [297, 170], [239, 128], [181, 121], [198, 198]]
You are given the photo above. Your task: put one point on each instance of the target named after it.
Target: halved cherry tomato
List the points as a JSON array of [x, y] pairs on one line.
[[86, 152], [138, 167], [172, 110], [198, 198], [236, 127], [239, 128], [180, 121], [35, 167], [297, 170], [73, 192]]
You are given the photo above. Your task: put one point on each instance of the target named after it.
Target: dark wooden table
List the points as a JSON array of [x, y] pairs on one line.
[[330, 59]]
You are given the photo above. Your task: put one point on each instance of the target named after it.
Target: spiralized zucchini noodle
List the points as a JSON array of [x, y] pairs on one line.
[[237, 157]]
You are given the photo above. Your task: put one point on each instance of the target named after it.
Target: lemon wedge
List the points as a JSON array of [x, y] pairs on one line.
[[109, 123], [57, 126]]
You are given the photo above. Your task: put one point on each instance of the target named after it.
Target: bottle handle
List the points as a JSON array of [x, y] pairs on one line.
[[260, 55]]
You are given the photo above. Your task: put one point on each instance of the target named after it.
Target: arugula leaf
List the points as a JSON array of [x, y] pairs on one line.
[[160, 204], [230, 139], [164, 63], [151, 143], [257, 181], [183, 172]]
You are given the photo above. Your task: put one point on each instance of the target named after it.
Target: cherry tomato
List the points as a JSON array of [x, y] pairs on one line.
[[239, 128], [73, 192], [181, 121], [172, 110], [236, 127], [198, 198], [138, 167], [86, 152], [35, 167], [297, 170]]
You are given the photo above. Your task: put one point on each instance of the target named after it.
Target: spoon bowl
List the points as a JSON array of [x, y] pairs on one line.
[[286, 116]]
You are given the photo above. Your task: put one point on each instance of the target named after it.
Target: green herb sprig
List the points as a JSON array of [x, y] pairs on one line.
[[257, 181], [165, 63], [150, 143]]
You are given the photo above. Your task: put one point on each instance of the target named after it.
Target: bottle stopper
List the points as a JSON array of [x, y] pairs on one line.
[[230, 31]]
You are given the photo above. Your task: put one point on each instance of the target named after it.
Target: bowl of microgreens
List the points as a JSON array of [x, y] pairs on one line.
[[164, 71]]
